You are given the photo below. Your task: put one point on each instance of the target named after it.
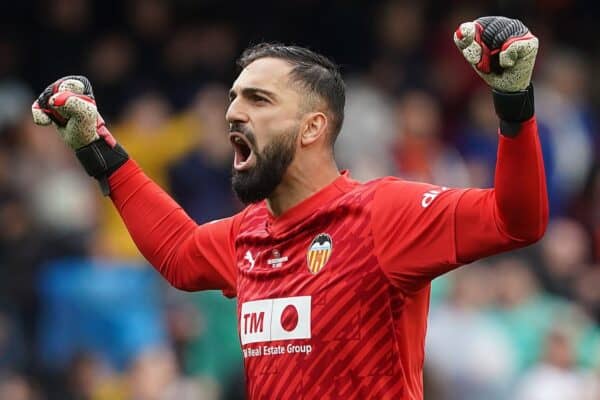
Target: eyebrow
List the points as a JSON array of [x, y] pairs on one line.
[[250, 91]]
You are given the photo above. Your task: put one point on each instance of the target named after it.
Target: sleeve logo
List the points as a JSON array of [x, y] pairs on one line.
[[430, 196]]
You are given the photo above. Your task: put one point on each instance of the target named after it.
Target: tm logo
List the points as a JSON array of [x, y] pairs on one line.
[[275, 319], [254, 322]]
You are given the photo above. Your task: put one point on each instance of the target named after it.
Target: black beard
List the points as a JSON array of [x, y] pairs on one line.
[[260, 181]]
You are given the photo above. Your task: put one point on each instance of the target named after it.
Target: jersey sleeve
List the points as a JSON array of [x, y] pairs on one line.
[[413, 226], [190, 256], [421, 231]]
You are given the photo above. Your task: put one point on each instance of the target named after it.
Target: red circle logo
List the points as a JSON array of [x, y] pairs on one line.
[[289, 318]]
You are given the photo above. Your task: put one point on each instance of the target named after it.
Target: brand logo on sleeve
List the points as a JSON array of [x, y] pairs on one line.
[[430, 196], [275, 319], [319, 252]]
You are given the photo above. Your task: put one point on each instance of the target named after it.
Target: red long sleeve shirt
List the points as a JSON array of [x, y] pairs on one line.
[[333, 295]]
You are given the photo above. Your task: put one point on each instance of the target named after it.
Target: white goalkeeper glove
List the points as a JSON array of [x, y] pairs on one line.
[[502, 51], [70, 106], [69, 103]]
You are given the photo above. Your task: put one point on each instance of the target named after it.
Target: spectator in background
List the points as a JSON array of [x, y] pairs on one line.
[[478, 137], [14, 96], [109, 308], [46, 176], [368, 130], [565, 253], [155, 138], [477, 140], [150, 23], [87, 376], [22, 247], [586, 207], [563, 112], [111, 61], [444, 62], [154, 135], [16, 387], [203, 331], [398, 65], [195, 55], [400, 59], [200, 183], [154, 376], [151, 375], [419, 151], [65, 23], [468, 352], [556, 377], [199, 180], [525, 312], [39, 220], [587, 291]]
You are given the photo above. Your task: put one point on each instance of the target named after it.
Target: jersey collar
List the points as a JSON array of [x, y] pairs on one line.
[[342, 184]]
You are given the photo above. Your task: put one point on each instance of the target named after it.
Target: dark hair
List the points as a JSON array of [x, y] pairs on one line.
[[314, 72]]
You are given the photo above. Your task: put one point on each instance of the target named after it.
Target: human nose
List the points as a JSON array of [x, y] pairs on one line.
[[236, 113]]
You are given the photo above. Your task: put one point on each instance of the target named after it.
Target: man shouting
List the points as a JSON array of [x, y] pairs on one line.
[[332, 276]]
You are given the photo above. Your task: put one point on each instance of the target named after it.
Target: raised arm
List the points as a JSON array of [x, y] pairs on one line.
[[189, 256], [502, 51], [422, 231], [515, 212]]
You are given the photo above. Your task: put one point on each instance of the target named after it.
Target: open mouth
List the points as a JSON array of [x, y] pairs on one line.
[[243, 154]]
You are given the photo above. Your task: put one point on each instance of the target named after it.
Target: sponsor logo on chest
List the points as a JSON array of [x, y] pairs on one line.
[[275, 319], [270, 320]]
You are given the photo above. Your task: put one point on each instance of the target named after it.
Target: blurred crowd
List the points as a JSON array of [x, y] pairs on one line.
[[82, 316]]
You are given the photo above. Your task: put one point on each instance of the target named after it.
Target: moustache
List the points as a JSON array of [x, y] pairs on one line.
[[244, 130], [238, 127]]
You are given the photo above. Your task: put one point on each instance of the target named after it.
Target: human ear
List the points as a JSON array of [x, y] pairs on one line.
[[314, 127]]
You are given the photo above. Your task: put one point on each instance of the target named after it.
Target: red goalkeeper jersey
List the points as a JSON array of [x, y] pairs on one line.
[[333, 295]]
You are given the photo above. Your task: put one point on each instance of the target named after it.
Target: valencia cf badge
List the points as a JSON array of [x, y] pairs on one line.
[[319, 252]]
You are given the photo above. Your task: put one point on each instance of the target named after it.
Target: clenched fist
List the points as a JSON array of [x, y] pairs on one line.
[[500, 49], [70, 106], [69, 103]]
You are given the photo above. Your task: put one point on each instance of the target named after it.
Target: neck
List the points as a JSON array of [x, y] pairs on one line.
[[301, 181]]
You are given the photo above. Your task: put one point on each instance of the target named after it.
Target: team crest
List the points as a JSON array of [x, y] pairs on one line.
[[319, 252]]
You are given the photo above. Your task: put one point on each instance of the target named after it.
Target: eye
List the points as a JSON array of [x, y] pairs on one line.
[[259, 99], [231, 96]]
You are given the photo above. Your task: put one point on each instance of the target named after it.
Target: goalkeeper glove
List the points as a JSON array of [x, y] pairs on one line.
[[69, 105], [502, 51]]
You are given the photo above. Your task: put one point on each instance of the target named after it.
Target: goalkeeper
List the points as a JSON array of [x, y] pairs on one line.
[[332, 276]]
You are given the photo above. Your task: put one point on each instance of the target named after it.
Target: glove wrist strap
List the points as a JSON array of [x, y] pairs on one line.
[[100, 160], [513, 109]]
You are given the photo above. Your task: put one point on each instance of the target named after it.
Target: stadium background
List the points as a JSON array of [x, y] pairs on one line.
[[83, 317]]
